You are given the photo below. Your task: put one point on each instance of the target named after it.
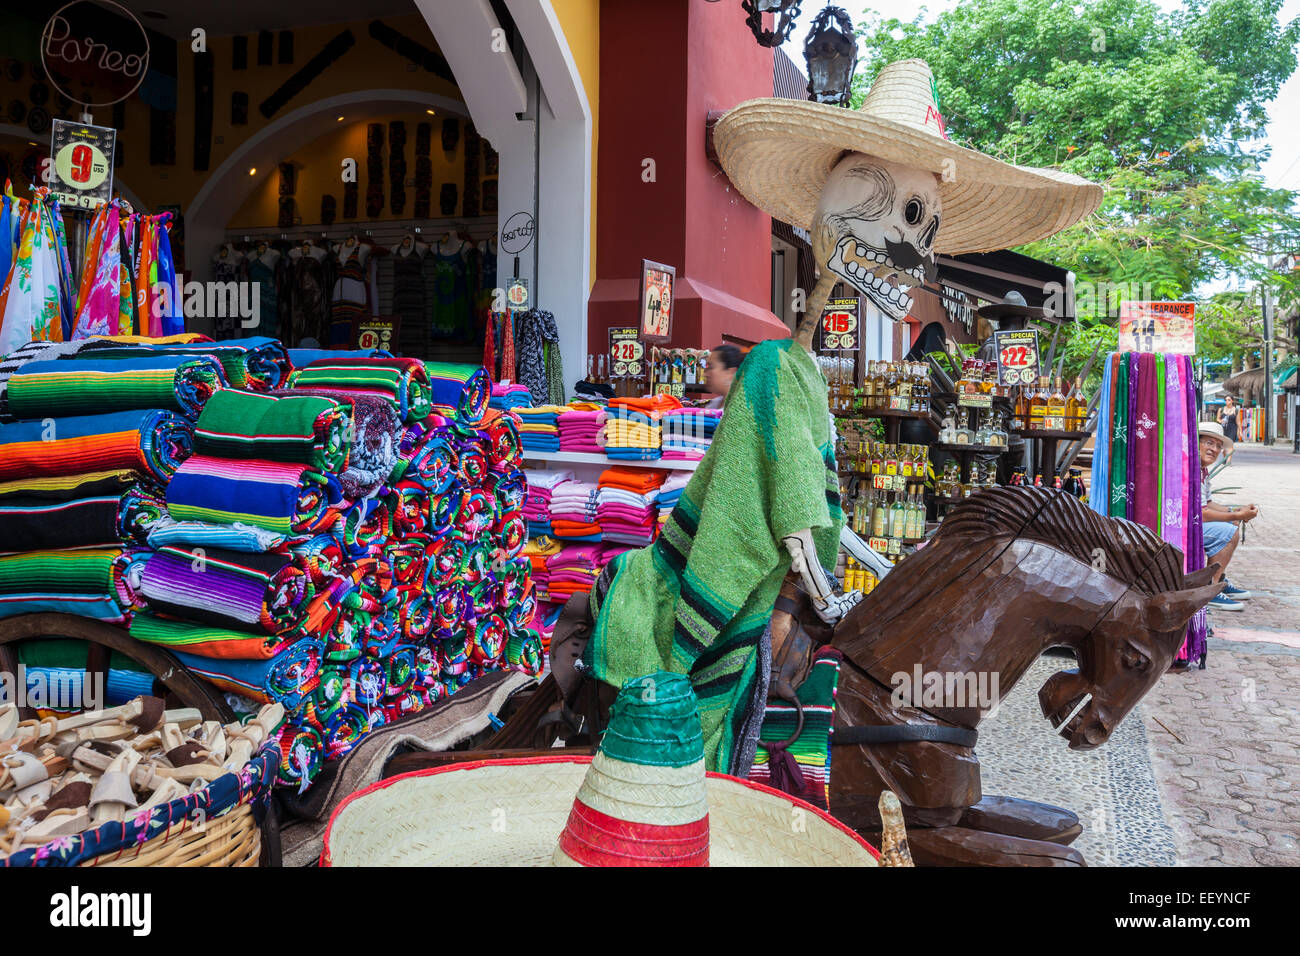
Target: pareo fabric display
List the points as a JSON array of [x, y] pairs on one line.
[[1146, 463]]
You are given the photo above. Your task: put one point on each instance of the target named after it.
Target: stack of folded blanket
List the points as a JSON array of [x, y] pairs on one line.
[[574, 568], [537, 501], [688, 432], [634, 429], [670, 494], [538, 551], [507, 397], [580, 430], [573, 511], [627, 505], [349, 547], [539, 427]]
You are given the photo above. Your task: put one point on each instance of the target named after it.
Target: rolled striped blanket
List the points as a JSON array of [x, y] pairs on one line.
[[95, 582], [150, 442], [205, 640], [301, 358], [176, 383], [28, 524], [287, 678], [255, 592], [304, 429], [256, 363], [234, 537], [276, 496], [70, 487], [374, 453], [403, 382], [461, 392]]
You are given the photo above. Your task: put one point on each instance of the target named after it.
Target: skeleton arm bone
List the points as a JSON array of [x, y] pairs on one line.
[[830, 607]]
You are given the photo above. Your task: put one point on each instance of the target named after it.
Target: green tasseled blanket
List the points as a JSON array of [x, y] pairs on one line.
[[697, 601]]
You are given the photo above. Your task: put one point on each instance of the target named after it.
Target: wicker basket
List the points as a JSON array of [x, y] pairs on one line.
[[233, 840]]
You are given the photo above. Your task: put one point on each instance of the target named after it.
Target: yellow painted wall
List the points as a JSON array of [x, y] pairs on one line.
[[319, 164], [580, 21]]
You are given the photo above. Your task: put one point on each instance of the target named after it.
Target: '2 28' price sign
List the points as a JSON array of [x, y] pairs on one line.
[[1017, 356], [626, 353]]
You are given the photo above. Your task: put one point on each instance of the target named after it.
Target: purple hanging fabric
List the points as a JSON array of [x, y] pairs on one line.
[[1195, 645], [1145, 449]]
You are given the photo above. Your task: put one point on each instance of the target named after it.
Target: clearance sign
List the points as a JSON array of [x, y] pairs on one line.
[[1157, 327]]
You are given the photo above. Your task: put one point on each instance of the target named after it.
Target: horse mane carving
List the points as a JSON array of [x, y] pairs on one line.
[[1125, 550]]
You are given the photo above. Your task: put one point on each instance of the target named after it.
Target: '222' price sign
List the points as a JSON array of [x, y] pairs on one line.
[[1017, 356]]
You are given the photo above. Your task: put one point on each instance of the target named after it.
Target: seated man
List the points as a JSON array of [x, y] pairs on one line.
[[1221, 523]]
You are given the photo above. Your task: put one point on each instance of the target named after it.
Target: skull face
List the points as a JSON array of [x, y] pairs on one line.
[[875, 228]]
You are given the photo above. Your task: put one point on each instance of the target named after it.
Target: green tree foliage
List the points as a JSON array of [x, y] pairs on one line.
[[1164, 110]]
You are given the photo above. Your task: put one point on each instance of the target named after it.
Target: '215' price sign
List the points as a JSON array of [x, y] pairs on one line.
[[840, 325], [1017, 356]]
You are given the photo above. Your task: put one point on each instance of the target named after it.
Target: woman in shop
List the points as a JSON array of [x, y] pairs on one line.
[[1227, 417], [723, 362], [1222, 524]]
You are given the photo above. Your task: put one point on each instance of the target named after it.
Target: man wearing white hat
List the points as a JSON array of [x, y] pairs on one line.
[[1221, 531]]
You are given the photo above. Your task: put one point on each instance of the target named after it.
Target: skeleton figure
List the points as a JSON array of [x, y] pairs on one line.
[[875, 228]]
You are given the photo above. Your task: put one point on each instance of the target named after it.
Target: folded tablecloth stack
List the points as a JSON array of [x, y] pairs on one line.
[[573, 511], [627, 507], [506, 397], [580, 430], [634, 429], [539, 428], [349, 547], [688, 432]]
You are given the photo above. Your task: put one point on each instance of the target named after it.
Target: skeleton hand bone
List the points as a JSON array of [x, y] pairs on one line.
[[830, 607]]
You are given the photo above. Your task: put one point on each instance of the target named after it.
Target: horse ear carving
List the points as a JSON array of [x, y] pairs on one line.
[[1172, 610], [1202, 577]]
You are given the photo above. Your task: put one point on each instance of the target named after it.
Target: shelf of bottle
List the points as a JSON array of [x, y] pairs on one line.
[[1050, 433], [881, 413], [973, 449]]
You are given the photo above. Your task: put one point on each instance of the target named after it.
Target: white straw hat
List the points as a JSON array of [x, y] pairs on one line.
[[778, 153], [1215, 431], [512, 813]]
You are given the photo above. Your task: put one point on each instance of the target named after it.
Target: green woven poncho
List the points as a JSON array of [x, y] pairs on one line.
[[697, 601]]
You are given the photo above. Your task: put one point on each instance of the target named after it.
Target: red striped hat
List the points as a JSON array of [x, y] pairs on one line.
[[643, 801]]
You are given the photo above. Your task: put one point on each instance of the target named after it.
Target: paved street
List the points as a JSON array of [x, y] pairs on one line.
[[1209, 771]]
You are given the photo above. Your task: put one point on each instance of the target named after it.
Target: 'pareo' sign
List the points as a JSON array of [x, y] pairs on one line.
[[95, 52]]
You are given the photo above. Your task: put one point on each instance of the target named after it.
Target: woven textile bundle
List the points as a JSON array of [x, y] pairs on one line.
[[349, 548]]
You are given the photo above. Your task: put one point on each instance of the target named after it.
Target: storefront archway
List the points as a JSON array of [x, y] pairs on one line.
[[229, 185]]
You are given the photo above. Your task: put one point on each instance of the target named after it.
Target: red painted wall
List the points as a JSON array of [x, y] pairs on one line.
[[663, 67]]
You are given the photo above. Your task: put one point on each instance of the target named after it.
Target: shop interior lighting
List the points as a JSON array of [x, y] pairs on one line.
[[252, 171]]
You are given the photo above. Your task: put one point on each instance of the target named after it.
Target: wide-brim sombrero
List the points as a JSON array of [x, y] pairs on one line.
[[511, 813], [779, 152]]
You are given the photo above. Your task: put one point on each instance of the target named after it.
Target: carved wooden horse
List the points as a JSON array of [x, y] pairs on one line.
[[1010, 573]]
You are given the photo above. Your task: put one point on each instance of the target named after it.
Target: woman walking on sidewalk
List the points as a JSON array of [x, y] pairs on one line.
[[1227, 417]]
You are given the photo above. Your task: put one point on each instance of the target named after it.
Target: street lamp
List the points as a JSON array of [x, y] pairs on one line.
[[831, 52], [785, 10]]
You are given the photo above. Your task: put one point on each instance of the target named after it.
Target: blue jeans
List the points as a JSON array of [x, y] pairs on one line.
[[1217, 535]]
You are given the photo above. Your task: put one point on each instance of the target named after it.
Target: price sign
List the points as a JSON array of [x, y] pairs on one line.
[[1157, 327], [878, 544], [626, 353], [839, 326], [1017, 356], [517, 295], [975, 401], [82, 164], [675, 389], [375, 332]]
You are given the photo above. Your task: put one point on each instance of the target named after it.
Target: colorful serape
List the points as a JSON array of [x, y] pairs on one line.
[[461, 392], [305, 429], [203, 640], [256, 363], [403, 382], [94, 583], [280, 497], [38, 524], [810, 779], [151, 442], [287, 678], [177, 383]]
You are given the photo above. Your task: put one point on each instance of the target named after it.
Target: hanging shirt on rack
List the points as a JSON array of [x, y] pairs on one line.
[[451, 304], [349, 298]]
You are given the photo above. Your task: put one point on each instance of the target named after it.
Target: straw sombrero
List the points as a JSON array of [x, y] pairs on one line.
[[778, 153], [643, 800]]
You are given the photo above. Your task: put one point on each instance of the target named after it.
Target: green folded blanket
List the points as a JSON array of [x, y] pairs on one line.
[[303, 429]]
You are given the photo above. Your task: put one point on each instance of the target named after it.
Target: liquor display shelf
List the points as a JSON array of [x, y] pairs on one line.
[[953, 447], [882, 413], [1050, 433]]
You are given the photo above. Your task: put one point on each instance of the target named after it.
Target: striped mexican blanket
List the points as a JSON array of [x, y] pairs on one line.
[[254, 592], [98, 583], [177, 383], [306, 429], [461, 392], [287, 678], [280, 497], [31, 524], [150, 442], [70, 487], [205, 640], [403, 382], [812, 750], [375, 431], [255, 363]]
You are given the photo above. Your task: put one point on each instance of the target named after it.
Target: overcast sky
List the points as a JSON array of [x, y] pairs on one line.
[[1283, 168]]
